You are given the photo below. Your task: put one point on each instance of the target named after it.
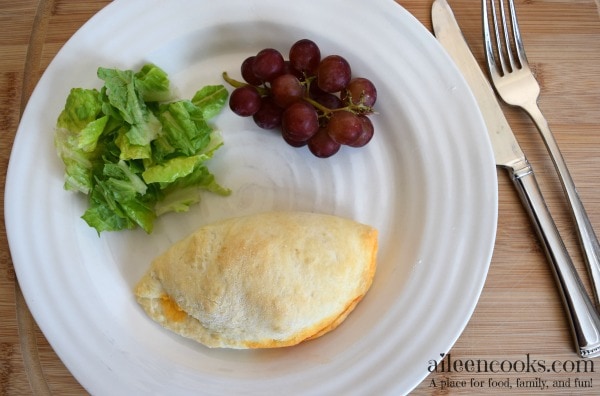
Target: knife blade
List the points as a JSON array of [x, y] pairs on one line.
[[583, 318]]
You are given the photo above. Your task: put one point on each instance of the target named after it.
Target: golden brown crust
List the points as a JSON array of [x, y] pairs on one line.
[[262, 281]]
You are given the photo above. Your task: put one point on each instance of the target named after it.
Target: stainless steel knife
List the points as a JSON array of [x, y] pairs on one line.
[[584, 320]]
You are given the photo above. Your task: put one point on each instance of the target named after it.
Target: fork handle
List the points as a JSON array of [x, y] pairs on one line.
[[584, 320], [585, 231]]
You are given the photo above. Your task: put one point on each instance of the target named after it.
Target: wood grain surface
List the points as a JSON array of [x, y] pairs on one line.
[[519, 317]]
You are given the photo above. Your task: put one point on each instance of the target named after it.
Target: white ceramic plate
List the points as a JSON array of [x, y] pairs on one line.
[[427, 181]]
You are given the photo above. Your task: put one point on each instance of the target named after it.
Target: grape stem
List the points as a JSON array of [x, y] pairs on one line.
[[353, 108], [238, 84], [359, 108]]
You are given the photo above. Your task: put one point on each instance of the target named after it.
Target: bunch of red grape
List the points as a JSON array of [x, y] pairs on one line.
[[314, 101]]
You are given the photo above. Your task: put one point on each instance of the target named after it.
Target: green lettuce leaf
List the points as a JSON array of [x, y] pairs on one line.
[[123, 96], [184, 127], [128, 150], [172, 169], [211, 100], [104, 213], [153, 84], [87, 139], [76, 138], [82, 107]]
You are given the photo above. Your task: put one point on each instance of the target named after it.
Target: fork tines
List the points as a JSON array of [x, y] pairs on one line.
[[509, 54]]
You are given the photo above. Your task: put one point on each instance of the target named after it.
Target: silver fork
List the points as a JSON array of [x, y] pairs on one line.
[[517, 86]]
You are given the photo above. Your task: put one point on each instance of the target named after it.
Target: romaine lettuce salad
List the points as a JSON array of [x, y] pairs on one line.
[[135, 151]]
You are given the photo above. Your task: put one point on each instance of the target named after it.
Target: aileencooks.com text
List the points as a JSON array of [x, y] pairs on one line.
[[527, 364]]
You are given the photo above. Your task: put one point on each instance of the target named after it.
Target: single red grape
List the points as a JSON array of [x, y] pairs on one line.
[[344, 127], [269, 114], [286, 89], [268, 64], [360, 90], [333, 73], [366, 134], [322, 145], [245, 101], [300, 121], [305, 56], [247, 72]]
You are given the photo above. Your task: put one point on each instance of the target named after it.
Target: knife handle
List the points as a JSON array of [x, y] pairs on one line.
[[584, 320]]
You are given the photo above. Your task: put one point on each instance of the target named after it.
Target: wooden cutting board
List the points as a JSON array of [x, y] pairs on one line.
[[519, 315]]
